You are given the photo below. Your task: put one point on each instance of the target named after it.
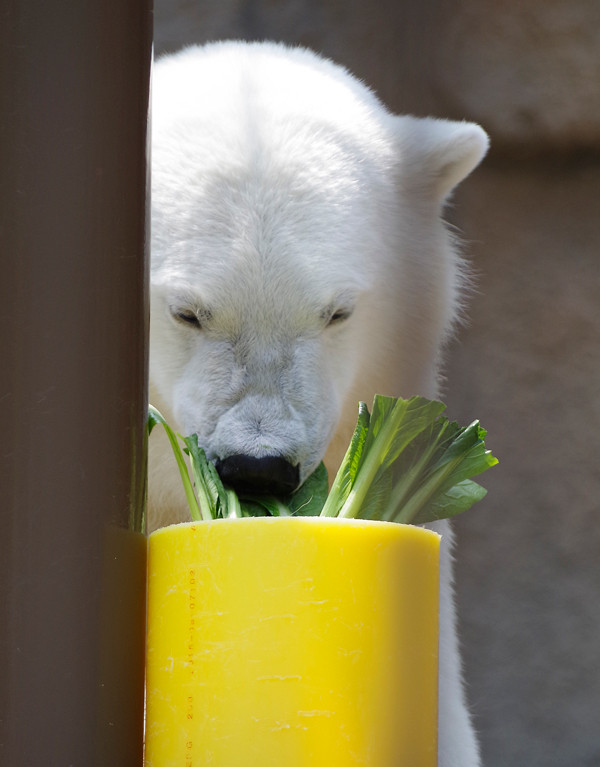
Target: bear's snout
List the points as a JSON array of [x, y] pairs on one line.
[[269, 474]]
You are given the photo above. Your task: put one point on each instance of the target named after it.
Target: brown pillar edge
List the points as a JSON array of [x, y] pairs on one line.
[[74, 83]]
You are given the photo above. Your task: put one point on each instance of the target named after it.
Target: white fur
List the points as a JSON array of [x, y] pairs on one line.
[[284, 192]]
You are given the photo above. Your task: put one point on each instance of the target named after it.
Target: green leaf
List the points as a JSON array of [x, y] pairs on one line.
[[154, 418], [346, 475], [464, 457], [377, 497], [455, 500], [410, 468], [393, 424], [264, 505], [209, 487], [308, 500], [253, 509], [401, 422]]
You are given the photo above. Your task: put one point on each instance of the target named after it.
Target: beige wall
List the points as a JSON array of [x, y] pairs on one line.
[[529, 364], [529, 367]]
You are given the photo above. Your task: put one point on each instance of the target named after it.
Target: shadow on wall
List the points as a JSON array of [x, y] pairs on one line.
[[528, 363]]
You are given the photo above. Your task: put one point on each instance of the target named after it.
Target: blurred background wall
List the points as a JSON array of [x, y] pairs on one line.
[[528, 364]]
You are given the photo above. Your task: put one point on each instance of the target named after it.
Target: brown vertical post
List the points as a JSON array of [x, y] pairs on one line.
[[73, 377]]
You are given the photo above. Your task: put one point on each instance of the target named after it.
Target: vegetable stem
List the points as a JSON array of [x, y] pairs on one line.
[[155, 417], [372, 462]]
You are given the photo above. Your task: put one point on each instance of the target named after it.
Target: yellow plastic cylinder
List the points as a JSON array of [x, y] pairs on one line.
[[292, 642]]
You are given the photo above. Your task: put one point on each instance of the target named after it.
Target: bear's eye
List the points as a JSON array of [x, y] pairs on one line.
[[338, 316], [188, 317]]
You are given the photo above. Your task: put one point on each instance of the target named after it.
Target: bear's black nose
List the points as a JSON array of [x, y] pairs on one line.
[[270, 474]]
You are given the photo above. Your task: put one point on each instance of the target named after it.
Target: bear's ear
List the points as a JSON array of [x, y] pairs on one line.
[[438, 154]]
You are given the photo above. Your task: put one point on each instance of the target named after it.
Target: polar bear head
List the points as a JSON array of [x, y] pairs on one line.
[[299, 262]]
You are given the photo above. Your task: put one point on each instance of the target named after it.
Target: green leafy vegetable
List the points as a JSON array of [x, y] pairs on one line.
[[154, 418], [394, 424], [405, 463], [416, 464]]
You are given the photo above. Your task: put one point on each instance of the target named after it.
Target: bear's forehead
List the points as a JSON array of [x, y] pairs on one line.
[[275, 176], [252, 229]]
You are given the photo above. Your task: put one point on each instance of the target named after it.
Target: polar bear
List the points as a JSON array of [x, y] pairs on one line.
[[299, 264]]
